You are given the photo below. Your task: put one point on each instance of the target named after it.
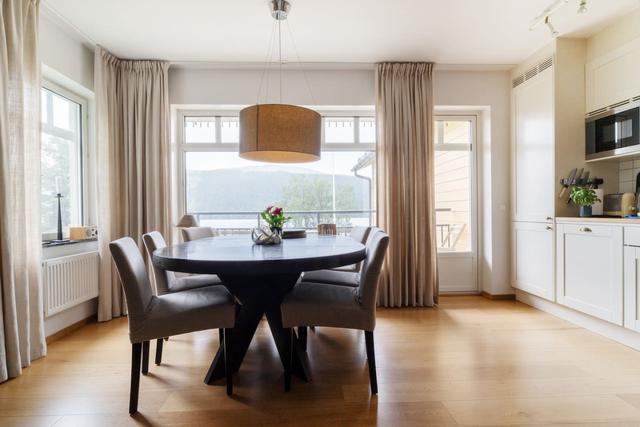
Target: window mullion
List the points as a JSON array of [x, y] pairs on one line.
[[218, 125]]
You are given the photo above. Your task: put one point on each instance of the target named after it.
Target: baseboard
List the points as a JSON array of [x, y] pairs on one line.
[[459, 294], [498, 297], [609, 330], [72, 328]]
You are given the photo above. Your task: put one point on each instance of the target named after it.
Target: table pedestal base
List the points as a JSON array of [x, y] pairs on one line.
[[259, 295]]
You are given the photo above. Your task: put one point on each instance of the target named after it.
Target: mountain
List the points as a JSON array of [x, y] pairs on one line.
[[253, 188]]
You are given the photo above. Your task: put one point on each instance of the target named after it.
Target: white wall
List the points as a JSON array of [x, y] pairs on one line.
[[487, 92], [62, 52], [240, 86], [69, 63]]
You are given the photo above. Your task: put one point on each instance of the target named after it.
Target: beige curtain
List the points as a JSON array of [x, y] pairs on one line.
[[21, 314], [405, 192], [132, 109]]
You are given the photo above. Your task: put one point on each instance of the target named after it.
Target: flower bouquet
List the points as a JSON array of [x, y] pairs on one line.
[[274, 217]]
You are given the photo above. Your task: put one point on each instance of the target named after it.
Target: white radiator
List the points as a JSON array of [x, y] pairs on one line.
[[69, 280]]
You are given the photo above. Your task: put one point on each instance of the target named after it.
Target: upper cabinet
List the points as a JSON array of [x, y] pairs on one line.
[[613, 78]]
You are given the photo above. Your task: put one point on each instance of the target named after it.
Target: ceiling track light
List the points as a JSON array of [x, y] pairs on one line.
[[547, 22], [544, 16]]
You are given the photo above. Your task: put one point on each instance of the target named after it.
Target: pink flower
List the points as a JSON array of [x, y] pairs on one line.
[[268, 208], [277, 211]]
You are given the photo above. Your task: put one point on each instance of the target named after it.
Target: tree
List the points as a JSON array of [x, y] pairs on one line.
[[314, 193]]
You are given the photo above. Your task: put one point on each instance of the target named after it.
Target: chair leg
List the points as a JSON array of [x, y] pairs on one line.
[[371, 361], [302, 337], [159, 344], [228, 371], [145, 357], [136, 352], [288, 359]]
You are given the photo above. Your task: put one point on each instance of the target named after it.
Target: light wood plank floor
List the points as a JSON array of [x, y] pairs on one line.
[[470, 362]]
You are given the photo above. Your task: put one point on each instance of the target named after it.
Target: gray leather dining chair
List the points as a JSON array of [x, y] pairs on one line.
[[155, 317], [196, 233], [167, 282], [344, 276], [325, 304], [358, 233]]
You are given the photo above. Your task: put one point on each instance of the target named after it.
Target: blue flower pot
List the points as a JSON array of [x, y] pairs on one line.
[[585, 210]]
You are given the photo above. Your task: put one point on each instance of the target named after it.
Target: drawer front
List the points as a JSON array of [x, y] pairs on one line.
[[632, 235]]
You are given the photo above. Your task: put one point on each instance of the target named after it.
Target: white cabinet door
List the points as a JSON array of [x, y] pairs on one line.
[[632, 288], [589, 266], [533, 150], [613, 77], [533, 258]]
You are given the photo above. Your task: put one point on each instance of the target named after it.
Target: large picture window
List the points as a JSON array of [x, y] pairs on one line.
[[227, 192], [61, 159]]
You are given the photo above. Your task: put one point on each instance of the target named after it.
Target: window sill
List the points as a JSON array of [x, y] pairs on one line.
[[56, 243]]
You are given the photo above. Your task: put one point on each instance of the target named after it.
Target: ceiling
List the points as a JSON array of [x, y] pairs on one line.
[[351, 31]]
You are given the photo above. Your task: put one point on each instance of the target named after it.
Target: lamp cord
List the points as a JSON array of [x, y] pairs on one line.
[[280, 50]]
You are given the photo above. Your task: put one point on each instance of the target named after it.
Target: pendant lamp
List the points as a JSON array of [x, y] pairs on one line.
[[280, 133]]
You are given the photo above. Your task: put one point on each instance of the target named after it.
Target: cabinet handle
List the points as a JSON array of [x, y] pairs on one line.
[[585, 229], [548, 228], [549, 218]]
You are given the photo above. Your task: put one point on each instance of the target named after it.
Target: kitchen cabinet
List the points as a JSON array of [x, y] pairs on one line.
[[533, 149], [631, 288], [590, 269], [614, 77], [532, 261], [547, 142]]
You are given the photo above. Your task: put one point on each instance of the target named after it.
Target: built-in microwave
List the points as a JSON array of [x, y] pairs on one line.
[[614, 132]]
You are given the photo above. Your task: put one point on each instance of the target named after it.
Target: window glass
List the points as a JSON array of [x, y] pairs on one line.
[[453, 185], [61, 163], [338, 189], [230, 129], [338, 130], [198, 130], [456, 132], [367, 129]]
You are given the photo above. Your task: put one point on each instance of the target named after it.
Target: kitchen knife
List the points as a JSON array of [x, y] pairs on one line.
[[567, 182], [585, 180], [575, 181]]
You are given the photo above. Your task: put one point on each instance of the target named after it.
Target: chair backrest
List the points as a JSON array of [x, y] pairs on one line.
[[163, 278], [195, 233], [360, 233], [134, 278], [376, 247], [327, 229]]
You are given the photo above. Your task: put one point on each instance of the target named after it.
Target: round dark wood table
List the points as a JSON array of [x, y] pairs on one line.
[[259, 277]]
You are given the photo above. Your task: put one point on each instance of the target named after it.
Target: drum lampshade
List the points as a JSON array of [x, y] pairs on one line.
[[280, 133]]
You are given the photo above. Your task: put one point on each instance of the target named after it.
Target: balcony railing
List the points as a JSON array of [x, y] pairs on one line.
[[243, 222]]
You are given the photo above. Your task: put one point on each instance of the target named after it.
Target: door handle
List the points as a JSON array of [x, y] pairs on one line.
[[585, 229], [548, 228]]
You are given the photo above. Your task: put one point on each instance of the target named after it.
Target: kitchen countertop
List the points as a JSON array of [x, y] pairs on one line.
[[603, 219]]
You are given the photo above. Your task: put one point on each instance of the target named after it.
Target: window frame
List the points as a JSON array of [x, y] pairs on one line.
[[182, 147], [473, 173], [83, 175]]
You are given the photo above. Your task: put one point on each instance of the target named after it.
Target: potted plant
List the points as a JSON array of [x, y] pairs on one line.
[[585, 198], [274, 217]]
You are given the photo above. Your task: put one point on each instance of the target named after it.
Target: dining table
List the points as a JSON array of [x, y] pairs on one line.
[[260, 277]]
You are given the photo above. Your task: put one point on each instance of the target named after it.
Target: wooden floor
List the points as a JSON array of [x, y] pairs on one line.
[[471, 361]]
